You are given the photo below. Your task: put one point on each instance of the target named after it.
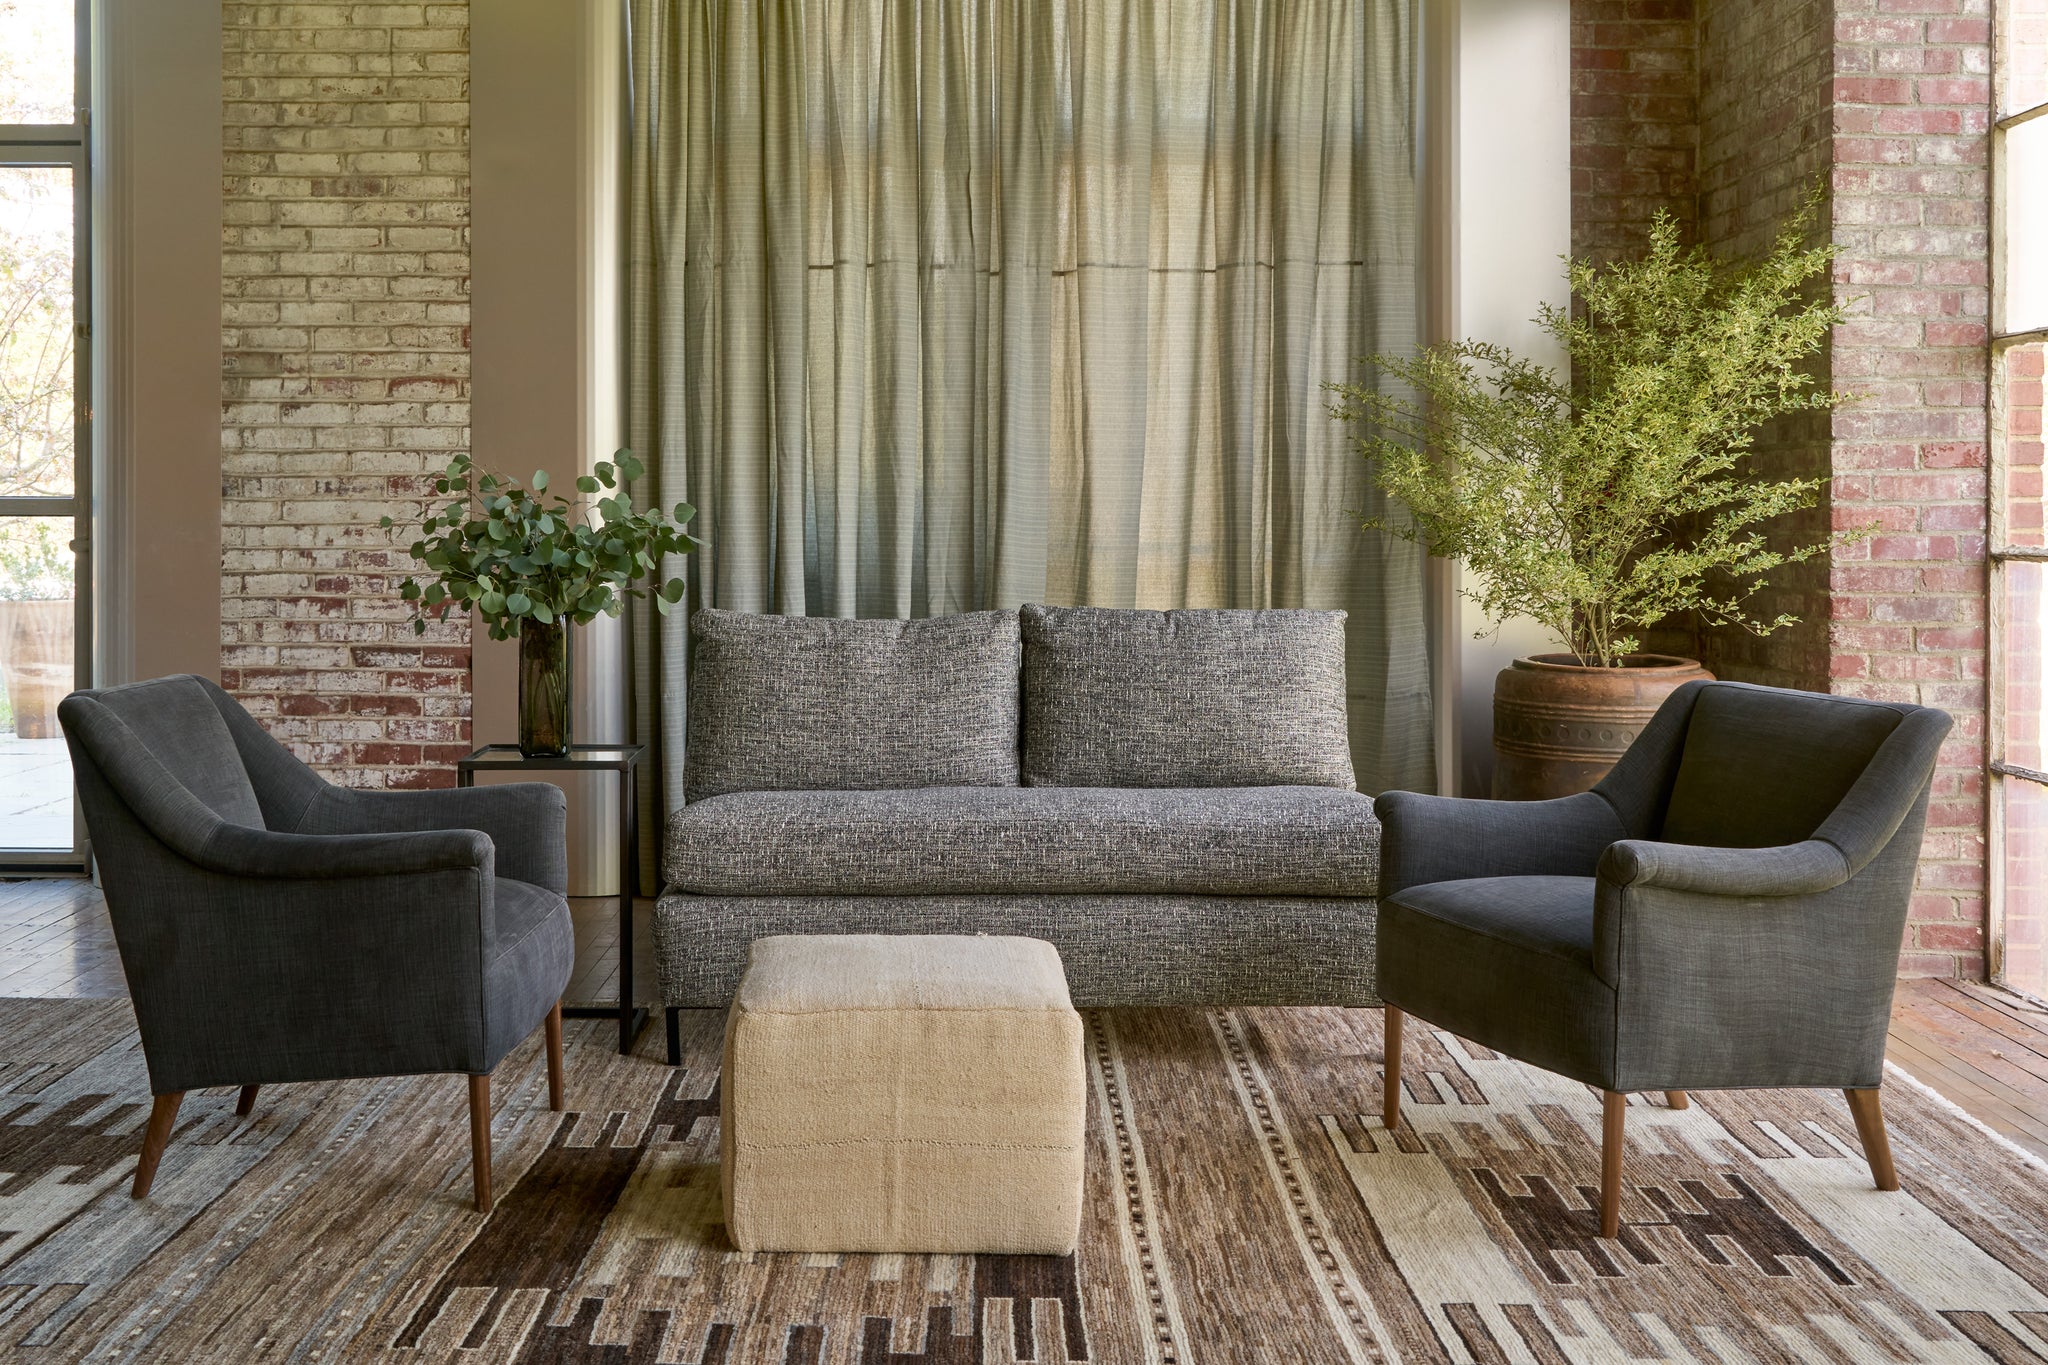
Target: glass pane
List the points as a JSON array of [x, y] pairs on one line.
[[37, 654], [37, 338], [2025, 646], [38, 62], [2018, 376], [2023, 53], [2024, 189], [2025, 813]]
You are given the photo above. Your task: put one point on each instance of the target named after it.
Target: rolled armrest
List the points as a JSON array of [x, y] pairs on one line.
[[239, 851], [1439, 838], [1801, 869], [527, 821]]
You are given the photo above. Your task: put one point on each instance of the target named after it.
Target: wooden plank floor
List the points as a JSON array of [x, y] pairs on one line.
[[1983, 1048]]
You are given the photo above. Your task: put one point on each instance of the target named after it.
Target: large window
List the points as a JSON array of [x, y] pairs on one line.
[[44, 416], [2019, 547]]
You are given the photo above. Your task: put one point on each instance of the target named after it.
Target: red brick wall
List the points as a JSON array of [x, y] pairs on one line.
[[1912, 115], [1888, 99], [1766, 69], [1635, 120], [345, 275]]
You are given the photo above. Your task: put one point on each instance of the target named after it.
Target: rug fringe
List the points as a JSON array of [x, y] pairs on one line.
[[1943, 1102]]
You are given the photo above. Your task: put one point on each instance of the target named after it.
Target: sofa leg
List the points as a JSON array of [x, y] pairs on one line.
[[245, 1103], [554, 1029], [163, 1116], [675, 1036], [480, 1139], [1613, 1115], [1677, 1099], [1877, 1144], [1390, 1072]]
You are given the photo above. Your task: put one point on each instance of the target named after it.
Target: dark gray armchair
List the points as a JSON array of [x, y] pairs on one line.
[[276, 928], [1724, 910]]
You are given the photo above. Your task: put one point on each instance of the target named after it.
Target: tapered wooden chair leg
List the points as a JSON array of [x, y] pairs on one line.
[[1390, 1072], [245, 1103], [1877, 1144], [1613, 1116], [1677, 1099], [163, 1116], [675, 1036], [480, 1139], [554, 1026]]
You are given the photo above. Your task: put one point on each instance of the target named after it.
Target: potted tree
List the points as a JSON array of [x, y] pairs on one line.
[[1604, 501], [38, 622], [530, 563]]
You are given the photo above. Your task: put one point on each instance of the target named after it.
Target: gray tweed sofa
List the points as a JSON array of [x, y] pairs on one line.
[[1165, 796]]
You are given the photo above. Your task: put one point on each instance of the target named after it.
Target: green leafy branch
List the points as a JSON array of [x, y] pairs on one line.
[[514, 554], [1604, 503]]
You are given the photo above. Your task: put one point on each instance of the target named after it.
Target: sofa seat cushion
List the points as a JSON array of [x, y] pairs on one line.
[[1222, 841]]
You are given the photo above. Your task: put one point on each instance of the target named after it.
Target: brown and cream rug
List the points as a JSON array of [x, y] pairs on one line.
[[1241, 1207]]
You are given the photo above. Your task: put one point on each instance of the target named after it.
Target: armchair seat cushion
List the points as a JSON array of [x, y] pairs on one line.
[[1530, 940], [529, 953], [1267, 841]]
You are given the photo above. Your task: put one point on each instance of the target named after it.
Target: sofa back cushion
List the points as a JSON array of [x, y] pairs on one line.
[[792, 703], [1184, 698]]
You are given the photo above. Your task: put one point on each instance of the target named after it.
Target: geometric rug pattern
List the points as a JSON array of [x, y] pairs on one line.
[[1243, 1204]]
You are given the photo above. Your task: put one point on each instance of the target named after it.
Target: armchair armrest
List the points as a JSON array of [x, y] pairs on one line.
[[197, 834], [527, 821], [1801, 869], [239, 851], [1439, 838]]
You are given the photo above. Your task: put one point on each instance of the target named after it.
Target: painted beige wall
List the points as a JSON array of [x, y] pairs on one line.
[[1510, 222], [546, 94], [156, 339]]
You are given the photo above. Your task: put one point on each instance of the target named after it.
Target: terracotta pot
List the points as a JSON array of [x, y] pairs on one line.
[[36, 662], [1560, 725]]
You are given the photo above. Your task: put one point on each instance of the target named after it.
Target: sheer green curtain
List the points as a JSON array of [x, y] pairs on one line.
[[966, 303]]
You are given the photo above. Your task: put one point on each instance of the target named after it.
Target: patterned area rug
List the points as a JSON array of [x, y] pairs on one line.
[[1241, 1207]]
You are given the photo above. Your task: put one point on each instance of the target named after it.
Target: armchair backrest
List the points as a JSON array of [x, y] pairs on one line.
[[176, 723], [1761, 767]]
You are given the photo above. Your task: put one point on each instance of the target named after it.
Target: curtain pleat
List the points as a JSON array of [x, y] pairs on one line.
[[953, 304]]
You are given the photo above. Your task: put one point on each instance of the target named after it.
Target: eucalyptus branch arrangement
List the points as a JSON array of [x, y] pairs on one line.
[[521, 554], [1604, 501]]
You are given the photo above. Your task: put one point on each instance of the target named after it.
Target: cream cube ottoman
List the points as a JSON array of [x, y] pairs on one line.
[[918, 1093]]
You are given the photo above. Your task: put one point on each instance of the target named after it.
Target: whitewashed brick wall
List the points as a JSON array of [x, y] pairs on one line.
[[345, 384]]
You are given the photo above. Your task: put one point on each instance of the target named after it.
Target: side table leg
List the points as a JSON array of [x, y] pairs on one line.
[[630, 1017]]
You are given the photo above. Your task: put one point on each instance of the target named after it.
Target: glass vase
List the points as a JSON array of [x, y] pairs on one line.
[[543, 688]]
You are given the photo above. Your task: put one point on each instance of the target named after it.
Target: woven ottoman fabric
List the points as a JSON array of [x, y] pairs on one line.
[[1116, 698], [918, 1094]]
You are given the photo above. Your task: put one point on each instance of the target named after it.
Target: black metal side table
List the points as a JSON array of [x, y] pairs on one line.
[[616, 758]]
